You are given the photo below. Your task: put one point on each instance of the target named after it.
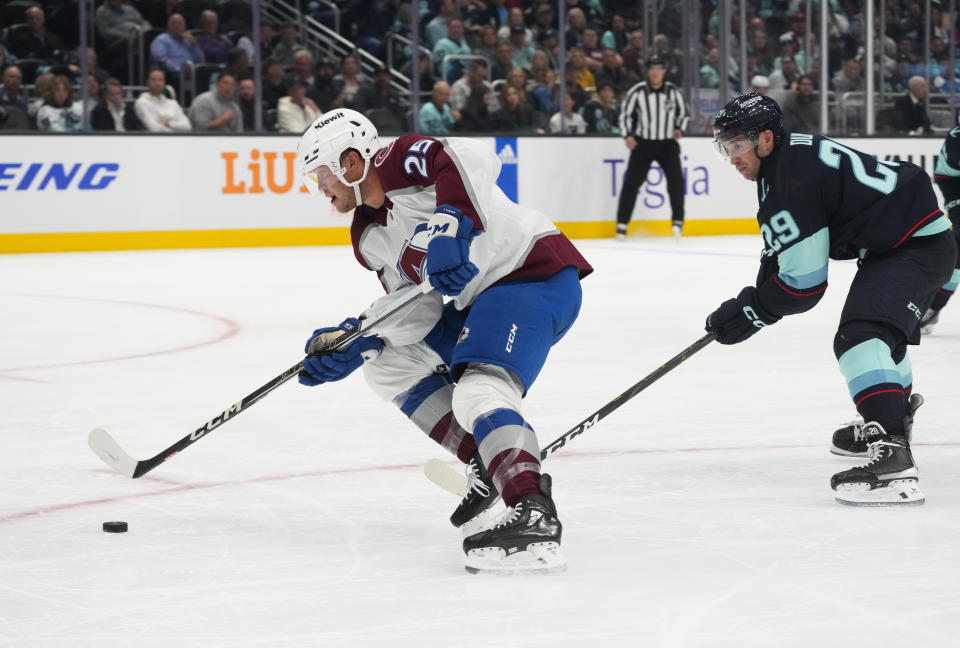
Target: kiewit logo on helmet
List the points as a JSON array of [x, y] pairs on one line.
[[328, 120]]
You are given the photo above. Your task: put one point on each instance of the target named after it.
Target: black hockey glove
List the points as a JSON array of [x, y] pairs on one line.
[[739, 318]]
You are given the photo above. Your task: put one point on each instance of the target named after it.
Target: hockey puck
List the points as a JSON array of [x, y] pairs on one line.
[[115, 527]]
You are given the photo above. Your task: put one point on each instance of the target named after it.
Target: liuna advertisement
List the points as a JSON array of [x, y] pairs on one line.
[[139, 192]]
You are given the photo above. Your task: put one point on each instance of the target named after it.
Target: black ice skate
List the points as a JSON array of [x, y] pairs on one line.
[[527, 539], [481, 493], [849, 440], [928, 321], [890, 477]]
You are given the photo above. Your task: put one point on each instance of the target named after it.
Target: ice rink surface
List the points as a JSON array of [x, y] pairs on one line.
[[698, 514]]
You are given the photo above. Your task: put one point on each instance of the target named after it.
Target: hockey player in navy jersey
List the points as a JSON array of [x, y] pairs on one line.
[[821, 200], [947, 177], [427, 209]]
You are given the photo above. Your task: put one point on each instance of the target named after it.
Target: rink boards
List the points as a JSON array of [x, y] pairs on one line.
[[69, 193]]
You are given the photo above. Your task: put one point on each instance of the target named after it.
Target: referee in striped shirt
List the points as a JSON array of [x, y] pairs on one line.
[[652, 118]]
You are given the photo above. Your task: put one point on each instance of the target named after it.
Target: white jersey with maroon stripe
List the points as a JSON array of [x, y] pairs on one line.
[[417, 174]]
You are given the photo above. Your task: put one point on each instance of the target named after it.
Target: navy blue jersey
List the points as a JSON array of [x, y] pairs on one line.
[[947, 173], [821, 200]]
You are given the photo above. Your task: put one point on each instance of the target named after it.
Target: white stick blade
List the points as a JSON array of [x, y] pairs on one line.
[[111, 453], [446, 477]]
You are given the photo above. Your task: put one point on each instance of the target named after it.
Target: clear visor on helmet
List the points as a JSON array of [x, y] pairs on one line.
[[735, 146], [320, 179]]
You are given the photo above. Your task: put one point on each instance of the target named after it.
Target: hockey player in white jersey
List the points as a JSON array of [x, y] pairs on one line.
[[430, 208]]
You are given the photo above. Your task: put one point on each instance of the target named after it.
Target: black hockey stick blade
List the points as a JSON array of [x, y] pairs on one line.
[[105, 447], [602, 413]]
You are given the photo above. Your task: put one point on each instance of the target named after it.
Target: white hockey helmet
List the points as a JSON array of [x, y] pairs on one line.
[[322, 144]]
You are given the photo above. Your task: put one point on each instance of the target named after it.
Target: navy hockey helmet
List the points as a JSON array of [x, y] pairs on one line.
[[747, 115]]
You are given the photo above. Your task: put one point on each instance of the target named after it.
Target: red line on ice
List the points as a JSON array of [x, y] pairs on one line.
[[232, 329]]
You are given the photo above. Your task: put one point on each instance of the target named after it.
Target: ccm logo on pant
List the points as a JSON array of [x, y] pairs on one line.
[[511, 338]]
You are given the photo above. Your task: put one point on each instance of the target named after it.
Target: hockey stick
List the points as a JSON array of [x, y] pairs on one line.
[[451, 480], [104, 446]]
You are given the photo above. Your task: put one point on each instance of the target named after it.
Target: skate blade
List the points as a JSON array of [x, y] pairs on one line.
[[840, 452], [899, 492], [538, 558]]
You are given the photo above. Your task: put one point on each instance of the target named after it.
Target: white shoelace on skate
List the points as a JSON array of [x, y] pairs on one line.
[[510, 516], [474, 483]]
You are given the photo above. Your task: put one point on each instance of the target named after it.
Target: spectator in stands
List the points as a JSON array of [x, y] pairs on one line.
[[602, 115], [543, 20], [377, 95], [759, 84], [590, 44], [573, 123], [93, 95], [288, 46], [324, 91], [518, 79], [801, 109], [616, 38], [303, 65], [112, 114], [671, 59], [59, 112], [910, 113], [514, 19], [215, 110], [478, 14], [488, 44], [786, 77], [848, 79], [475, 76], [761, 47], [12, 92], [274, 82], [93, 66], [268, 41], [549, 44], [424, 70], [709, 71], [115, 18], [633, 55], [247, 101], [215, 46], [296, 111], [502, 65], [437, 28], [670, 20], [453, 44], [475, 117], [576, 23], [238, 63], [522, 50], [546, 96], [580, 95], [158, 112], [436, 116], [13, 119], [535, 72], [37, 41], [41, 86], [5, 58], [515, 115], [350, 79], [613, 72], [176, 46], [583, 75]]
